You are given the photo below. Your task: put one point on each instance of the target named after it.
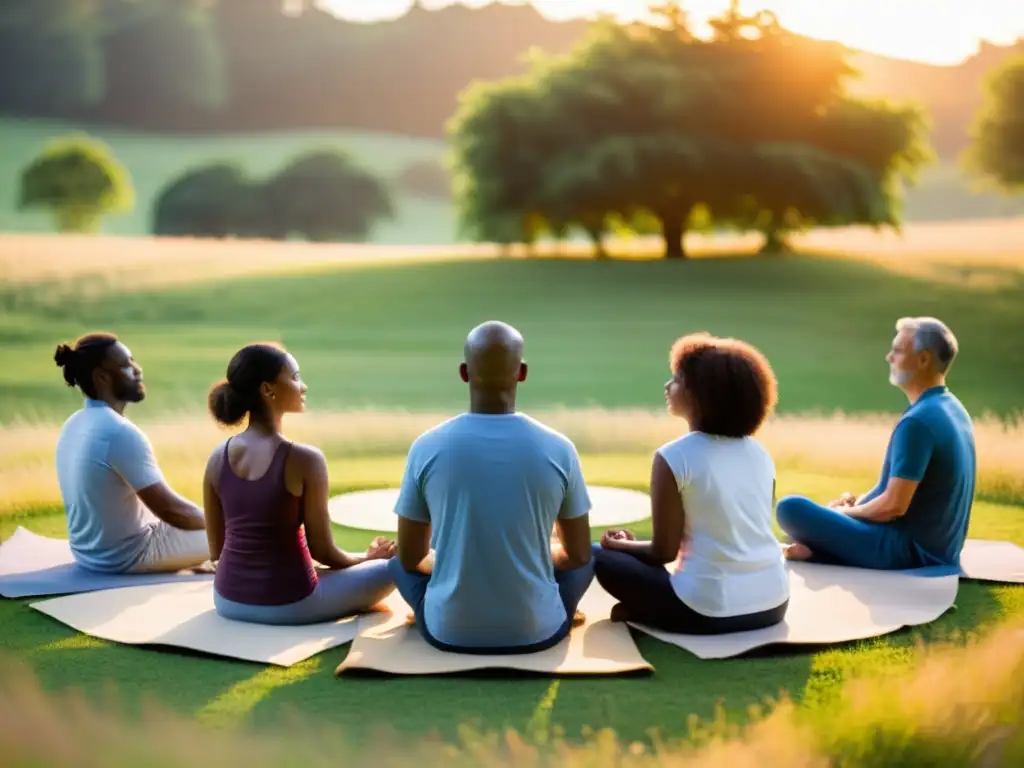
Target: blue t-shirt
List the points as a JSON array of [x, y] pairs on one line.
[[492, 486], [933, 443]]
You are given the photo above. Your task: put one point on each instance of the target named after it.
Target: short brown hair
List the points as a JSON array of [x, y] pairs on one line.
[[730, 384]]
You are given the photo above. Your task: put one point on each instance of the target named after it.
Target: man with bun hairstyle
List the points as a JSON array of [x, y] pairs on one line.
[[122, 515]]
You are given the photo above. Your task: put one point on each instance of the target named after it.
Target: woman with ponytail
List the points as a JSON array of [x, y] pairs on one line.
[[265, 500]]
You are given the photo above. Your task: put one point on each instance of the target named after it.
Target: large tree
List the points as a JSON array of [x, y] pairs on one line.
[[750, 128], [997, 150]]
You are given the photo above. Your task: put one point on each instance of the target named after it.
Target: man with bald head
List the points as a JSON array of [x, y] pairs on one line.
[[490, 486], [918, 513]]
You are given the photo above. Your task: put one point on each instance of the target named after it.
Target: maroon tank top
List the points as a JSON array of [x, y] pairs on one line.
[[265, 560]]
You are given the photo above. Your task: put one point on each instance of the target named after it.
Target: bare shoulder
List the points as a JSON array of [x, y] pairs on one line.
[[216, 460], [307, 457]]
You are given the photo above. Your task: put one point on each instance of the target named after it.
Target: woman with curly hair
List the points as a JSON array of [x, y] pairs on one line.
[[712, 496]]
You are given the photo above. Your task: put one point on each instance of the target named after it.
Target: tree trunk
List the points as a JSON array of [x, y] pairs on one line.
[[774, 243], [673, 231], [596, 237]]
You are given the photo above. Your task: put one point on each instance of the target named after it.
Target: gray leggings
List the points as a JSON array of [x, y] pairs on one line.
[[338, 594]]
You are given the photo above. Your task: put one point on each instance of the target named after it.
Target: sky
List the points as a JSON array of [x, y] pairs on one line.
[[932, 31]]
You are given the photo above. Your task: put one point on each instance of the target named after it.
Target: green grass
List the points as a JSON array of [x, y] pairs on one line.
[[153, 159], [225, 692], [597, 333]]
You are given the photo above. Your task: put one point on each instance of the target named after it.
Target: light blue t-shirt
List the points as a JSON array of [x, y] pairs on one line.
[[103, 460], [492, 486]]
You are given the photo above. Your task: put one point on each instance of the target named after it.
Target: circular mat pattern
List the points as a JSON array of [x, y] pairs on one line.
[[374, 510]]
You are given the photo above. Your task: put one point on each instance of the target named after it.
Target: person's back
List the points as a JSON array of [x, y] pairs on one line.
[[102, 460], [265, 559], [265, 500], [733, 564], [939, 512], [494, 486]]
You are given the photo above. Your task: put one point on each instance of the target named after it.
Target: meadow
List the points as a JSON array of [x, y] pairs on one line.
[[378, 334], [943, 192]]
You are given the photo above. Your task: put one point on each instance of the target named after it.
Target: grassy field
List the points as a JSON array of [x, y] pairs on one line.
[[379, 340], [943, 192], [597, 333]]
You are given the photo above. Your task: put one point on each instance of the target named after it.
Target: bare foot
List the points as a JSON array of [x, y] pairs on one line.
[[205, 568], [797, 551], [619, 613], [579, 619], [410, 620]]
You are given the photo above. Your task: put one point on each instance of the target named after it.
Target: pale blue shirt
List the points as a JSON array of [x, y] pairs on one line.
[[492, 487], [103, 461]]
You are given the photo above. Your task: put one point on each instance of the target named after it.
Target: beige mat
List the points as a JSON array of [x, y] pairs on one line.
[[388, 643], [833, 604], [999, 561], [182, 615]]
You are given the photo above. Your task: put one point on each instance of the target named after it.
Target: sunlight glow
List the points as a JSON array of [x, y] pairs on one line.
[[939, 33]]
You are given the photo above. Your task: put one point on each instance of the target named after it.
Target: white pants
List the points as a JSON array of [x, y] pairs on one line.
[[171, 549]]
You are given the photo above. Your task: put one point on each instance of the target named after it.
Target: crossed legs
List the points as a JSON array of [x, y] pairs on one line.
[[824, 535]]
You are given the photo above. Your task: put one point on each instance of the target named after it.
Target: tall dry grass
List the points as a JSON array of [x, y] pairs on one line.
[[956, 706], [841, 445], [122, 263]]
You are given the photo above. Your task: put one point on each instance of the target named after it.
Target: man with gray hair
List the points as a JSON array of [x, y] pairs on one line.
[[917, 515]]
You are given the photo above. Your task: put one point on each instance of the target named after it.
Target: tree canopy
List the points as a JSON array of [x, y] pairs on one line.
[[79, 181], [749, 129], [997, 151], [321, 195], [324, 195]]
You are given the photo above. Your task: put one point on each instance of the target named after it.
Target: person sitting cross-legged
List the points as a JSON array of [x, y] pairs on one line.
[[122, 516], [712, 492], [493, 485], [918, 513], [266, 508]]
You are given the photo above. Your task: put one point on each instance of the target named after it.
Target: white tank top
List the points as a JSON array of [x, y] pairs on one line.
[[731, 564]]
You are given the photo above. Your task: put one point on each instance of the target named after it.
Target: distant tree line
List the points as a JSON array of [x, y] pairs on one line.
[[639, 128], [321, 195], [227, 65]]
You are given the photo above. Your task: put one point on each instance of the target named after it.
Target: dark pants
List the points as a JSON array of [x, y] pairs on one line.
[[646, 592], [412, 586], [838, 539]]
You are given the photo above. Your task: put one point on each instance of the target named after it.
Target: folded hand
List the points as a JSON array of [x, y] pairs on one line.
[[614, 537], [846, 500], [381, 548]]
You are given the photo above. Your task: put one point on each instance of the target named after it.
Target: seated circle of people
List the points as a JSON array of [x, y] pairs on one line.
[[712, 493], [918, 513], [265, 499], [504, 500], [122, 516]]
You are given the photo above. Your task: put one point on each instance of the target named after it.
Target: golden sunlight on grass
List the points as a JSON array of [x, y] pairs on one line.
[[953, 706], [121, 263], [849, 446]]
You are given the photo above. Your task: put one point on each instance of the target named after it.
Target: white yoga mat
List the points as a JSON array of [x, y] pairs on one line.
[[388, 643], [35, 566], [375, 510], [998, 561], [182, 615], [833, 604]]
